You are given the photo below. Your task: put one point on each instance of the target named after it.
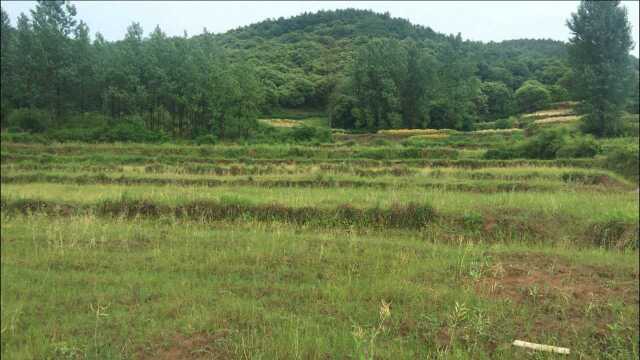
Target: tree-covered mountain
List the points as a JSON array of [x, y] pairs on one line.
[[367, 70], [302, 57]]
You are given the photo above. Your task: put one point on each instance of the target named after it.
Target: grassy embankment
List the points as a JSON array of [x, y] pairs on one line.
[[362, 248]]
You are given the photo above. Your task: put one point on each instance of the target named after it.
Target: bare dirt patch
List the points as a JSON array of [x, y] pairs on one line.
[[200, 345], [525, 277], [561, 298]]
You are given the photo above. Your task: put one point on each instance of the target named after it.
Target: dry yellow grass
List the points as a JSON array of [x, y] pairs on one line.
[[549, 113], [431, 136], [412, 131], [497, 131], [281, 122], [558, 119]]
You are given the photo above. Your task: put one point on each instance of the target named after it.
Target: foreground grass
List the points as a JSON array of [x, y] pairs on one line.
[[338, 251], [112, 288], [595, 206]]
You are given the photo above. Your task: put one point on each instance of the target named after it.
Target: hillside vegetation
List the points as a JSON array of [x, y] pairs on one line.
[[399, 244], [340, 184], [183, 87]]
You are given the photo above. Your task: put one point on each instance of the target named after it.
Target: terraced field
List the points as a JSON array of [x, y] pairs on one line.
[[358, 249]]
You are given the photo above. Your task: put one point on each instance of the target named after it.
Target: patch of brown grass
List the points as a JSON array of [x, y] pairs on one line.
[[200, 345], [549, 113], [497, 131], [409, 132], [288, 123], [558, 119], [578, 294]]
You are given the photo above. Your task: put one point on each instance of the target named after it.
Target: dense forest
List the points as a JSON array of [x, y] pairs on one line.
[[368, 71]]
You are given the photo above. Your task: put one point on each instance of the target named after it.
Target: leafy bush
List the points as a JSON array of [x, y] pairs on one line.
[[532, 96], [624, 160], [610, 124], [547, 144], [76, 134], [87, 120], [209, 139], [499, 98], [630, 126], [14, 130], [23, 137], [128, 129], [558, 93], [381, 142], [31, 120], [579, 147], [505, 123], [544, 145], [502, 152], [484, 125], [309, 133], [131, 129]]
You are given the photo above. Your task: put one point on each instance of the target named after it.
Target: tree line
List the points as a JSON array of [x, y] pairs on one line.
[[369, 71]]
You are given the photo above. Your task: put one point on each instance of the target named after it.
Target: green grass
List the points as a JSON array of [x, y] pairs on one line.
[[578, 204], [143, 287], [368, 250]]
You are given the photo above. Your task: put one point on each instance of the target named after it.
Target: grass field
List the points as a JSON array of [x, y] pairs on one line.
[[369, 247]]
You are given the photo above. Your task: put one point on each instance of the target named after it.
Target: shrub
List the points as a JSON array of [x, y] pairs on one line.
[[410, 153], [558, 93], [609, 124], [306, 133], [23, 137], [623, 160], [630, 126], [484, 125], [502, 152], [504, 123], [532, 96], [499, 98], [14, 130], [544, 145], [87, 120], [547, 144], [209, 139], [579, 147], [31, 120], [131, 129], [76, 134], [381, 142]]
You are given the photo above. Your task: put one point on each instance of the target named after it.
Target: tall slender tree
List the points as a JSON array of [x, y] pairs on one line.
[[6, 63], [599, 54], [53, 22]]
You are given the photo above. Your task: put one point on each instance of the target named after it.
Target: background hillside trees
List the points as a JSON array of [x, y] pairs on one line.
[[368, 71], [532, 96]]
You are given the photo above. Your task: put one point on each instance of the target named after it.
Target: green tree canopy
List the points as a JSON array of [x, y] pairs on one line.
[[532, 96], [599, 53]]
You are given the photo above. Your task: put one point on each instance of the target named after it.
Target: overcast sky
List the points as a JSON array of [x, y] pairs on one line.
[[476, 20]]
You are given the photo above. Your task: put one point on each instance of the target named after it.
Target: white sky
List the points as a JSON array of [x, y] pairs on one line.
[[476, 20]]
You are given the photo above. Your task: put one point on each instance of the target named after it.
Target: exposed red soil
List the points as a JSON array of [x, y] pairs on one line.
[[195, 346], [522, 277]]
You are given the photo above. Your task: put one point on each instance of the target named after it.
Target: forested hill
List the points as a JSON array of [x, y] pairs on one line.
[[368, 71], [336, 24], [301, 57]]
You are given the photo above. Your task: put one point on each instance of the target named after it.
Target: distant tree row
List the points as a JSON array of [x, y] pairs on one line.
[[403, 84], [369, 71], [181, 86]]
